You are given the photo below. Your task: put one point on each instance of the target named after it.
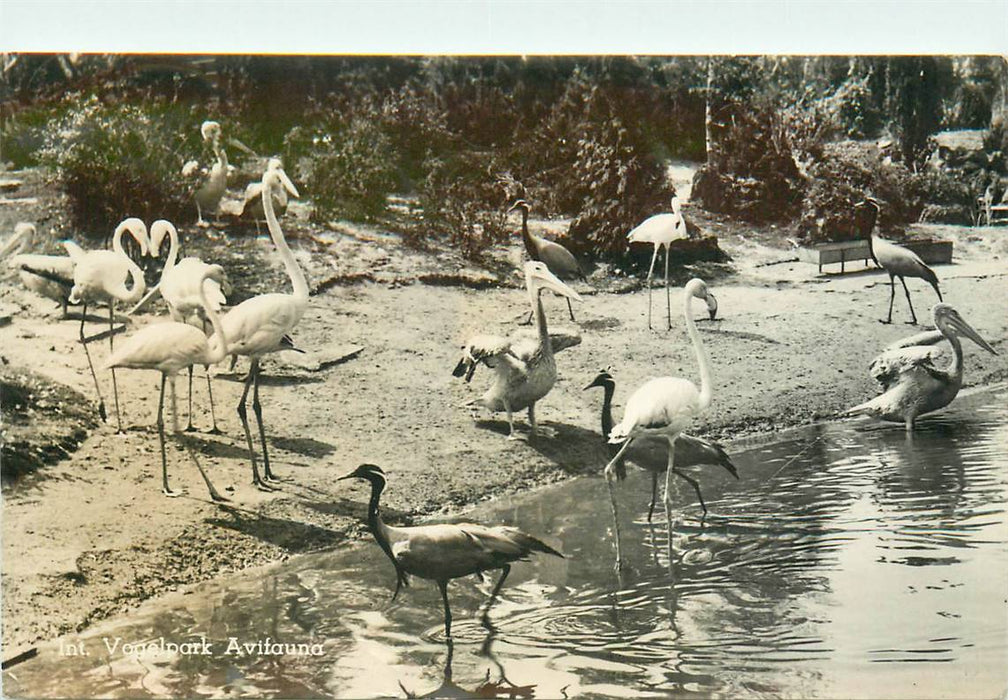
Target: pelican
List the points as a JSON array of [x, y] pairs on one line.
[[212, 180], [169, 347], [261, 325], [252, 207], [442, 552], [100, 277], [913, 384], [526, 370], [182, 287], [57, 270], [557, 258], [689, 451], [894, 259], [660, 230], [664, 407]]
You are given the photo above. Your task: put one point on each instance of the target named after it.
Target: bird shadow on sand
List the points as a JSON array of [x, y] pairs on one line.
[[290, 535], [273, 379], [572, 448], [310, 447], [213, 448], [355, 508]]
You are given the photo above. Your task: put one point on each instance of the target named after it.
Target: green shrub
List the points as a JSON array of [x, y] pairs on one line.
[[24, 133], [119, 160]]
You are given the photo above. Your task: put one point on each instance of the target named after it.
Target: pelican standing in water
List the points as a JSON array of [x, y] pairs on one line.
[[526, 370], [169, 347], [56, 278], [100, 276], [912, 382], [660, 230], [261, 325], [444, 552], [664, 407], [252, 207], [894, 259]]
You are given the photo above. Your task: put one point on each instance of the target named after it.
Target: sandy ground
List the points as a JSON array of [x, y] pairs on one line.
[[92, 535]]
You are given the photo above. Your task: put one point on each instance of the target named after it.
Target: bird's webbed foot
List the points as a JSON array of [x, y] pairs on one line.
[[169, 493]]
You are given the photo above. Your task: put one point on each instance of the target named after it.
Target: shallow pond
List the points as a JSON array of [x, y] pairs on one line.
[[848, 561]]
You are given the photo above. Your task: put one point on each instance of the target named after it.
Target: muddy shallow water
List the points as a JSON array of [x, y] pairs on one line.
[[848, 561]]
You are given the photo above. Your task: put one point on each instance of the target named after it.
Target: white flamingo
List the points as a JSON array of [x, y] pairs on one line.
[[912, 381], [100, 276], [169, 347], [660, 230], [261, 325], [664, 407], [182, 285], [50, 276]]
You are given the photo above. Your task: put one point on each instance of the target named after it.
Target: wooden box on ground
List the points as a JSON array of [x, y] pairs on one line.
[[930, 251]]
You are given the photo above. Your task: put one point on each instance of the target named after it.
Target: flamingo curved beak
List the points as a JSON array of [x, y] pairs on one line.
[[711, 306]]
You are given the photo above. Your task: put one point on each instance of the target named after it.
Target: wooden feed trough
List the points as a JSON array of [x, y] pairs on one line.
[[930, 251]]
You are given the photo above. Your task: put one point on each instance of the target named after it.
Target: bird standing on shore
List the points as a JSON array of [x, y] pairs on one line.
[[100, 276], [913, 384], [169, 347], [894, 259], [261, 325], [558, 259], [652, 456], [210, 182], [664, 407], [525, 368], [443, 552], [660, 230]]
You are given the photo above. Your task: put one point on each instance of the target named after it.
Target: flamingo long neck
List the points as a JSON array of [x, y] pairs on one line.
[[607, 419], [215, 351], [173, 249], [276, 233], [137, 284], [706, 389]]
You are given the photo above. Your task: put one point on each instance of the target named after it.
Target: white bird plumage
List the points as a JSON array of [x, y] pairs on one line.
[[664, 407], [524, 363], [252, 206], [259, 325], [100, 276], [912, 381], [57, 270], [169, 347], [210, 182]]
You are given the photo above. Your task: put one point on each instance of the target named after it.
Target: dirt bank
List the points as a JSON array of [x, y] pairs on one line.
[[93, 535]]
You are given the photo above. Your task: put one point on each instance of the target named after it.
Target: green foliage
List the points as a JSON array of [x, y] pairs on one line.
[[23, 134], [120, 160]]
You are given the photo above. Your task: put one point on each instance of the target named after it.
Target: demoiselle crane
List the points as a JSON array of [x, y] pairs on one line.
[[912, 381], [894, 259], [444, 552], [100, 276], [558, 259], [524, 364], [664, 407], [171, 346], [261, 325], [652, 455]]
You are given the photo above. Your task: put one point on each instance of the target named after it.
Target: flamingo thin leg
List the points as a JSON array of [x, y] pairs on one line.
[[654, 495], [257, 409], [668, 494], [242, 413], [570, 309], [189, 426], [213, 418], [654, 256], [160, 427], [83, 340], [668, 294], [115, 387], [610, 476], [913, 316]]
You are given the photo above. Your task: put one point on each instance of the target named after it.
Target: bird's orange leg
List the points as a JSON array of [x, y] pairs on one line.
[[83, 340], [913, 316]]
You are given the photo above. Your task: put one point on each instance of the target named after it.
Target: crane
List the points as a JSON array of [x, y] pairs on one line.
[[664, 407], [653, 456], [558, 259], [169, 347], [525, 367], [913, 384], [894, 259], [443, 552], [262, 325]]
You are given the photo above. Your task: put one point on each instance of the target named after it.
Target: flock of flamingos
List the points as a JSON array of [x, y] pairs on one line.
[[202, 331]]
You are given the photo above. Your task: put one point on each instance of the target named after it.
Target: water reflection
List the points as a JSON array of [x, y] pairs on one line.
[[848, 561]]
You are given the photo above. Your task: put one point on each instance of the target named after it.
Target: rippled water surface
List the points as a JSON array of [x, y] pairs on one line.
[[848, 561]]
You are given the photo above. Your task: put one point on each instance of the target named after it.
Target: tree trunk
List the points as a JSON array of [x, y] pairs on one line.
[[708, 119]]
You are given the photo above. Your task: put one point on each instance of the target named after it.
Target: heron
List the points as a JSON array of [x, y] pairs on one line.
[[894, 259], [558, 259], [663, 407], [182, 287], [912, 381], [660, 230], [444, 552], [210, 181], [53, 274], [171, 346], [524, 364], [652, 456], [262, 325], [252, 206], [100, 276]]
